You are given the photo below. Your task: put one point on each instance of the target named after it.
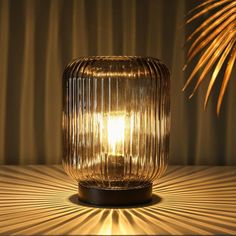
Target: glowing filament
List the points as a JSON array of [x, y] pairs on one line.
[[116, 133]]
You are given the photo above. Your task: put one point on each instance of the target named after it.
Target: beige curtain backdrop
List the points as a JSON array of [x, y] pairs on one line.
[[39, 37]]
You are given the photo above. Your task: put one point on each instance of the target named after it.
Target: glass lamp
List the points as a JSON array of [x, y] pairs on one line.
[[116, 125]]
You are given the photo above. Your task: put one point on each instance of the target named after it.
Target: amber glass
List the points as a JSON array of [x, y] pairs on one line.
[[116, 120]]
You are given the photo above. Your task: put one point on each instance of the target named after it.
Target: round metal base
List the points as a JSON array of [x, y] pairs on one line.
[[115, 197]]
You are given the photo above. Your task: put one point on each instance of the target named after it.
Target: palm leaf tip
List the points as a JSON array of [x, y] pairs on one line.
[[227, 75], [214, 41]]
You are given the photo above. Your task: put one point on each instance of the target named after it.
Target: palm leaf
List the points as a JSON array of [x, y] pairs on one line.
[[214, 40], [226, 78], [216, 71]]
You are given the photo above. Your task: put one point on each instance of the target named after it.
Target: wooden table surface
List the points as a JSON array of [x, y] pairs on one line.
[[191, 200]]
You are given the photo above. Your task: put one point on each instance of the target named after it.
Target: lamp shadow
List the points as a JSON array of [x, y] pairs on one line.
[[75, 200]]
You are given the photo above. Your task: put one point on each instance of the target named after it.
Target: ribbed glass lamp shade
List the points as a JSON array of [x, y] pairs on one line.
[[116, 125]]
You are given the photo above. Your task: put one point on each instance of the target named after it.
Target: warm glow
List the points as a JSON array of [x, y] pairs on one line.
[[115, 133]]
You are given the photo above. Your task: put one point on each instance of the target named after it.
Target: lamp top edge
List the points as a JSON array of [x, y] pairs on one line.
[[117, 58], [115, 66]]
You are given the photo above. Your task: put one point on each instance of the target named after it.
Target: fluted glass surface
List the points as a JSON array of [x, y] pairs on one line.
[[116, 120]]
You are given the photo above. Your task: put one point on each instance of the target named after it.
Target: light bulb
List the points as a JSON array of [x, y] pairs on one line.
[[116, 134]]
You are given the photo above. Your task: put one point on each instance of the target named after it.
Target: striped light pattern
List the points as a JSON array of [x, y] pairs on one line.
[[42, 200]]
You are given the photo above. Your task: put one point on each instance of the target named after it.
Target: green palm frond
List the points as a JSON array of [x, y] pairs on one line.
[[215, 39]]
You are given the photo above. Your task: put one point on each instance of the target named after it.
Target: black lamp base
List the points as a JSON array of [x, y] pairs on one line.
[[115, 197]]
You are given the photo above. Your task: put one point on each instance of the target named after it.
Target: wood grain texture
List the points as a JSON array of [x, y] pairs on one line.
[[42, 200]]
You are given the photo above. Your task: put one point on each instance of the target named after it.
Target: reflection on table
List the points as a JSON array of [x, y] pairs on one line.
[[187, 200]]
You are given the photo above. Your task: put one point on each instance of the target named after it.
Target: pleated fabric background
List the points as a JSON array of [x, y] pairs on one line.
[[39, 37]]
